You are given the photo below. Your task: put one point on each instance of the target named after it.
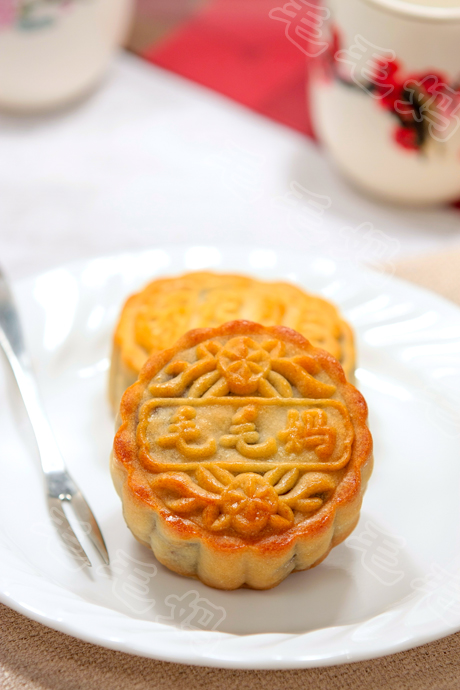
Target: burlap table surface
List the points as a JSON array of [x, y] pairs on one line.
[[35, 657]]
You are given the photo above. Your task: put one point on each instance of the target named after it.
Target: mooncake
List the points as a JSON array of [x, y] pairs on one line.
[[154, 319], [242, 455]]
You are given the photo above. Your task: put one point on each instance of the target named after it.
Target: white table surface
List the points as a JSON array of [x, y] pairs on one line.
[[151, 158]]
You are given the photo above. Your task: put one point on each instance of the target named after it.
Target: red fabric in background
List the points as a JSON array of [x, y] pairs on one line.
[[233, 47]]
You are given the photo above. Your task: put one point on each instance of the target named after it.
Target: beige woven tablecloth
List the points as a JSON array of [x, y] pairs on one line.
[[33, 657]]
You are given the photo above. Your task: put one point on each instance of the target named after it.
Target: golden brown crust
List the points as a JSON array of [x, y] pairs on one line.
[[243, 554], [153, 319]]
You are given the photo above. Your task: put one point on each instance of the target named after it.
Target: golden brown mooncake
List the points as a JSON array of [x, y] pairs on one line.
[[154, 319], [242, 455]]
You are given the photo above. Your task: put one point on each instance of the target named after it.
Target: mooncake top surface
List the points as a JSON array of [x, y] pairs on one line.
[[243, 433]]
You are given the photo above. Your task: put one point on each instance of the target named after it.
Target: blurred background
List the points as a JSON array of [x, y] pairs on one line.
[[231, 46], [126, 124]]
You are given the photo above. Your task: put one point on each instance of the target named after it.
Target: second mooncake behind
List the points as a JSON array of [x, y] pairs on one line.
[[153, 319]]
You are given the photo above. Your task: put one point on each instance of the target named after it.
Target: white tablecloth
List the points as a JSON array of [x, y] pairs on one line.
[[151, 158]]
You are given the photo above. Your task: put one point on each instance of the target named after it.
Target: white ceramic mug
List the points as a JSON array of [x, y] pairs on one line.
[[385, 96], [52, 51]]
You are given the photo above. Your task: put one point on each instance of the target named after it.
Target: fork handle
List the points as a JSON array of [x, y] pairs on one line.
[[13, 344]]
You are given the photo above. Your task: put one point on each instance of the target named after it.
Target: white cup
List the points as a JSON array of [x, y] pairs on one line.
[[384, 98], [53, 51]]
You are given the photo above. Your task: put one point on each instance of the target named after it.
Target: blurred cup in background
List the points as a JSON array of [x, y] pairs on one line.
[[53, 51], [385, 96]]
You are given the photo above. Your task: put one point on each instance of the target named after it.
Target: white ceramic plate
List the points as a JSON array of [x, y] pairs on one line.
[[394, 584]]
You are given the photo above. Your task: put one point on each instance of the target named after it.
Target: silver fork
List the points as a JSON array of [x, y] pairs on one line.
[[59, 484]]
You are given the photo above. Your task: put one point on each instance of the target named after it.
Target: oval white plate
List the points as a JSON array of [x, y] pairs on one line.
[[393, 585]]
